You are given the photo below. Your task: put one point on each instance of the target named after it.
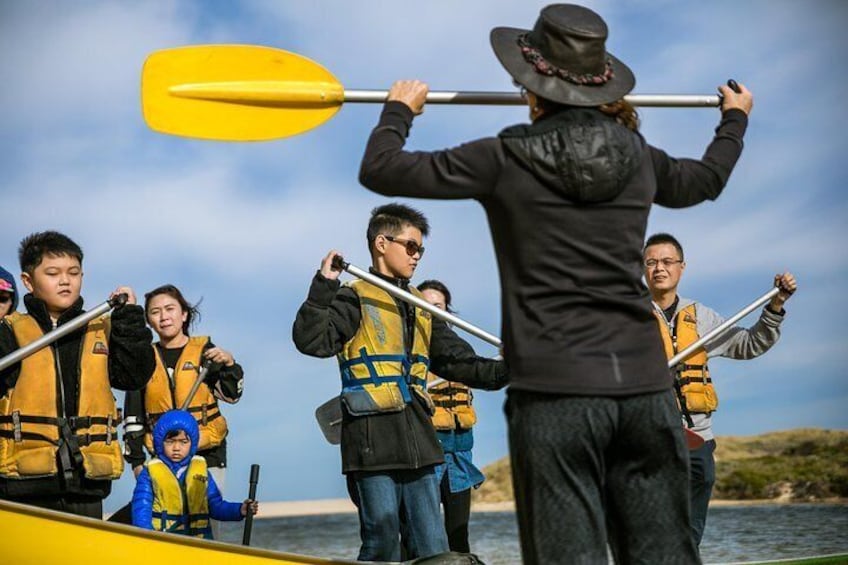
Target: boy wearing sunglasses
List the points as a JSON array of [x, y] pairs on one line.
[[385, 348]]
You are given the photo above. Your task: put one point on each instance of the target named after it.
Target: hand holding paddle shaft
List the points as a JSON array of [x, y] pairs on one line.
[[254, 93], [63, 330]]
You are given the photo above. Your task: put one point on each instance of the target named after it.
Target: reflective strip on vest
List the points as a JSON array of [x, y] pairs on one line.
[[32, 420], [169, 493], [377, 373], [162, 395]]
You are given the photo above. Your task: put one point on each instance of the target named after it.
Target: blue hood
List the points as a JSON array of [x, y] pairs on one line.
[[7, 283], [175, 420]]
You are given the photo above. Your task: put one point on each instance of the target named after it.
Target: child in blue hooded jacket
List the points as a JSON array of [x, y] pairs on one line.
[[176, 477]]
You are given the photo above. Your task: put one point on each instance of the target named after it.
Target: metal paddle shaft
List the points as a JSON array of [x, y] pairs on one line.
[[248, 520], [516, 99], [340, 263], [63, 330], [201, 374], [721, 328]]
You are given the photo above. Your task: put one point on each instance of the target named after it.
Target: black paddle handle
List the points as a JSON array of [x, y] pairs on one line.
[[734, 86], [248, 521]]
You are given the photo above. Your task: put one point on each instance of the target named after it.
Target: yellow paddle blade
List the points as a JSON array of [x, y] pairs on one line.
[[236, 92]]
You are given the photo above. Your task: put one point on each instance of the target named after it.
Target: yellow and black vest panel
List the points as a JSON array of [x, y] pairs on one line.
[[453, 409], [693, 374], [169, 512], [30, 423], [377, 373], [164, 393]]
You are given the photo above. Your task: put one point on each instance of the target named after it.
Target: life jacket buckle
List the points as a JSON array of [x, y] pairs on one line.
[[16, 424], [109, 430], [204, 419]]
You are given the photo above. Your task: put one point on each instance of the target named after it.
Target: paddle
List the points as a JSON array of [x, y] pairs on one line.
[[248, 520], [255, 93], [63, 330]]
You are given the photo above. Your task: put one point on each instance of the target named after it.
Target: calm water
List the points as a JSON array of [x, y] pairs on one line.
[[741, 533]]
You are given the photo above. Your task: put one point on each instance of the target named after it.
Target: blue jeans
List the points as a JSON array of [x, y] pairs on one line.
[[383, 496], [701, 481]]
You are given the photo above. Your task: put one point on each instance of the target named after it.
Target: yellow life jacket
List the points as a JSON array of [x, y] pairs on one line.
[[453, 409], [169, 512], [163, 394], [377, 373], [32, 419], [693, 376]]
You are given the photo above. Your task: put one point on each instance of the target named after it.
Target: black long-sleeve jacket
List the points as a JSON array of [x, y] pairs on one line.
[[327, 320], [567, 199], [131, 364]]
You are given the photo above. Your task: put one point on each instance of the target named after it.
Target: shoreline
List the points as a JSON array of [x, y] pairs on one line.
[[285, 509]]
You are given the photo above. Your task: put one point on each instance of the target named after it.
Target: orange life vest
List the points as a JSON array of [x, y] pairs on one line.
[[165, 393], [693, 374], [31, 427], [453, 409]]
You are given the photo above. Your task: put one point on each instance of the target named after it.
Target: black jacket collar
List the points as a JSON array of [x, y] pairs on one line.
[[38, 310], [398, 282]]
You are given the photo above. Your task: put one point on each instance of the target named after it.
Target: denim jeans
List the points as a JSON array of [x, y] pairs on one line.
[[383, 496], [701, 481]]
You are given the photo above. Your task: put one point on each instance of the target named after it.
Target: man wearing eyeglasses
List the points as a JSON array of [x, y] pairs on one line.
[[681, 322], [8, 293]]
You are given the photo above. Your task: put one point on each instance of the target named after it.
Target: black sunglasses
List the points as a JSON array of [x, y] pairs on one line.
[[411, 245], [4, 298]]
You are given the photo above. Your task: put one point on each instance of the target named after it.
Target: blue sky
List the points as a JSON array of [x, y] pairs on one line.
[[244, 226]]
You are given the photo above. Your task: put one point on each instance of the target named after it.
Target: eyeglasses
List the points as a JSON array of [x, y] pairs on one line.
[[666, 262], [5, 298], [411, 245]]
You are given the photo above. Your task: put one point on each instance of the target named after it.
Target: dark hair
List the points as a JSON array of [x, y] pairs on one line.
[[622, 111], [172, 291], [174, 433], [439, 286], [35, 246], [659, 238], [391, 219]]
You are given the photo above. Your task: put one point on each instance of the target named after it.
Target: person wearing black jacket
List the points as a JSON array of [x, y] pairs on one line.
[[595, 437], [58, 417], [388, 444]]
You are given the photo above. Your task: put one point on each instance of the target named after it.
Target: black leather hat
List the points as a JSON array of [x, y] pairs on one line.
[[564, 57]]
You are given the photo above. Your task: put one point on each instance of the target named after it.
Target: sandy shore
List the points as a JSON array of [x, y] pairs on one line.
[[345, 506]]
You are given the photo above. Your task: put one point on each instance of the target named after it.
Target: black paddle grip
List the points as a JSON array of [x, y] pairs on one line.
[[248, 521], [734, 86], [339, 263], [118, 300]]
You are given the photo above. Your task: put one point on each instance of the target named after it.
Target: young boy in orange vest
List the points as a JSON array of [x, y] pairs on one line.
[[58, 421]]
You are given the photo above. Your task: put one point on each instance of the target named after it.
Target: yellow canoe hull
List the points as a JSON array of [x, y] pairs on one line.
[[35, 536]]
